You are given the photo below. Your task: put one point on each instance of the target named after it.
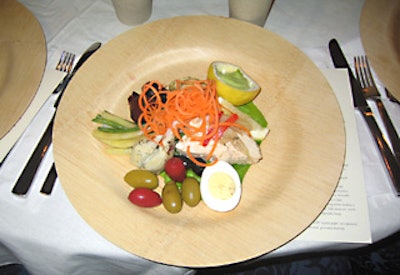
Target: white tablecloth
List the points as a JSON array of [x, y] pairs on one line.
[[46, 234]]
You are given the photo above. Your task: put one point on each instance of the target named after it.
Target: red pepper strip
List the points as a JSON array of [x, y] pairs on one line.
[[206, 141], [222, 129]]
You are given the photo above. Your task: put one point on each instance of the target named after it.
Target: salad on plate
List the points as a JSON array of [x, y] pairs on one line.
[[200, 136]]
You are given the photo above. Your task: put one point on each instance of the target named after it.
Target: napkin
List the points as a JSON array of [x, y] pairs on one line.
[[49, 81]]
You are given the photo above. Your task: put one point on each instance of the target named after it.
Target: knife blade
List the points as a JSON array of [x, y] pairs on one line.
[[25, 179], [360, 103]]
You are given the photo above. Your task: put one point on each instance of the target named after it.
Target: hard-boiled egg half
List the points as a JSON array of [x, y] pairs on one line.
[[220, 187]]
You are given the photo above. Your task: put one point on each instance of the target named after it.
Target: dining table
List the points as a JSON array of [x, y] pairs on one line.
[[47, 235]]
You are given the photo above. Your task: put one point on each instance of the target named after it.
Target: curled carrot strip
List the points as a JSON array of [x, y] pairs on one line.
[[192, 109]]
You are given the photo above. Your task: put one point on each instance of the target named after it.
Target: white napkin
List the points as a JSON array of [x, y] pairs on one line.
[[50, 80]]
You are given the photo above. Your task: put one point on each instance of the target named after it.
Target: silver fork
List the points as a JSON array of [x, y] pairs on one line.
[[364, 75], [66, 62]]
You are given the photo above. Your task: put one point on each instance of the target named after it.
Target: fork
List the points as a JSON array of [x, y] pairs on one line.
[[25, 179], [24, 182], [364, 75], [65, 64]]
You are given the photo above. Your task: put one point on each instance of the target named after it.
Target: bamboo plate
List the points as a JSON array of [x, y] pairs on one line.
[[282, 195], [23, 59], [380, 35]]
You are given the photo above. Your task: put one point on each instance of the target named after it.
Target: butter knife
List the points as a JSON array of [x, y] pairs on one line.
[[360, 103], [25, 179]]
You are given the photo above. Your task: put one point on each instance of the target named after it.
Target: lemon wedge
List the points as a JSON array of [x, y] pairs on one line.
[[232, 83], [257, 131]]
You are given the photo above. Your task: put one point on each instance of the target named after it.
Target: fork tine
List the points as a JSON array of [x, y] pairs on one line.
[[67, 60], [61, 61], [71, 63], [359, 75], [363, 71], [64, 62], [368, 72]]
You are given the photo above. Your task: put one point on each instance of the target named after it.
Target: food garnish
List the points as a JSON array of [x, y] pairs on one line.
[[232, 83], [191, 110]]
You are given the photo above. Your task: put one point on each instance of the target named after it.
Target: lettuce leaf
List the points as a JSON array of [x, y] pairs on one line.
[[252, 110]]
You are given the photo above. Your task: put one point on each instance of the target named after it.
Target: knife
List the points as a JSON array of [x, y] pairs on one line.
[[25, 179], [360, 103]]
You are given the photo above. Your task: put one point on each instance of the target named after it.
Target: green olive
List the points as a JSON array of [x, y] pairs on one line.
[[171, 197], [141, 178], [191, 191]]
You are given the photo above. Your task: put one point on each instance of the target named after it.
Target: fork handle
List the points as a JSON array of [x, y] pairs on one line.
[[48, 185], [391, 131], [391, 163]]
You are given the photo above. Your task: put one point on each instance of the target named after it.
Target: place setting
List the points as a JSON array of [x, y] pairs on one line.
[[89, 174], [307, 187]]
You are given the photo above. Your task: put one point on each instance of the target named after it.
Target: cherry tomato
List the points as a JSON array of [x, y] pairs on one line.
[[144, 197], [175, 168]]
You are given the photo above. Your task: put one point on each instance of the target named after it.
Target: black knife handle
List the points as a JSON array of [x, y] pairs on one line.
[[25, 179], [392, 165], [340, 61], [50, 180]]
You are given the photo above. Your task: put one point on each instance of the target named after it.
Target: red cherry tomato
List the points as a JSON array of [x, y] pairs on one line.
[[175, 168], [144, 197]]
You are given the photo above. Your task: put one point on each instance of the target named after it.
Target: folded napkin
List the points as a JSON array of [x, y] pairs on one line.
[[49, 81]]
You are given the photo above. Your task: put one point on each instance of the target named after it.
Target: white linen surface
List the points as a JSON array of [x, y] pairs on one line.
[[47, 235]]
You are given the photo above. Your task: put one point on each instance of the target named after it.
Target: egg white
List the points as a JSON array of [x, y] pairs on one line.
[[216, 204]]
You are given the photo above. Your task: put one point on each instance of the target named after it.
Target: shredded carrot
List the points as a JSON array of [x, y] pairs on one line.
[[192, 109]]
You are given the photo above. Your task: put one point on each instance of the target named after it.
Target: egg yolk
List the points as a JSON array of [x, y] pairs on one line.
[[221, 186]]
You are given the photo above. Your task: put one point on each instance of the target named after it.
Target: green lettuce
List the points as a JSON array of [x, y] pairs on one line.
[[252, 110]]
